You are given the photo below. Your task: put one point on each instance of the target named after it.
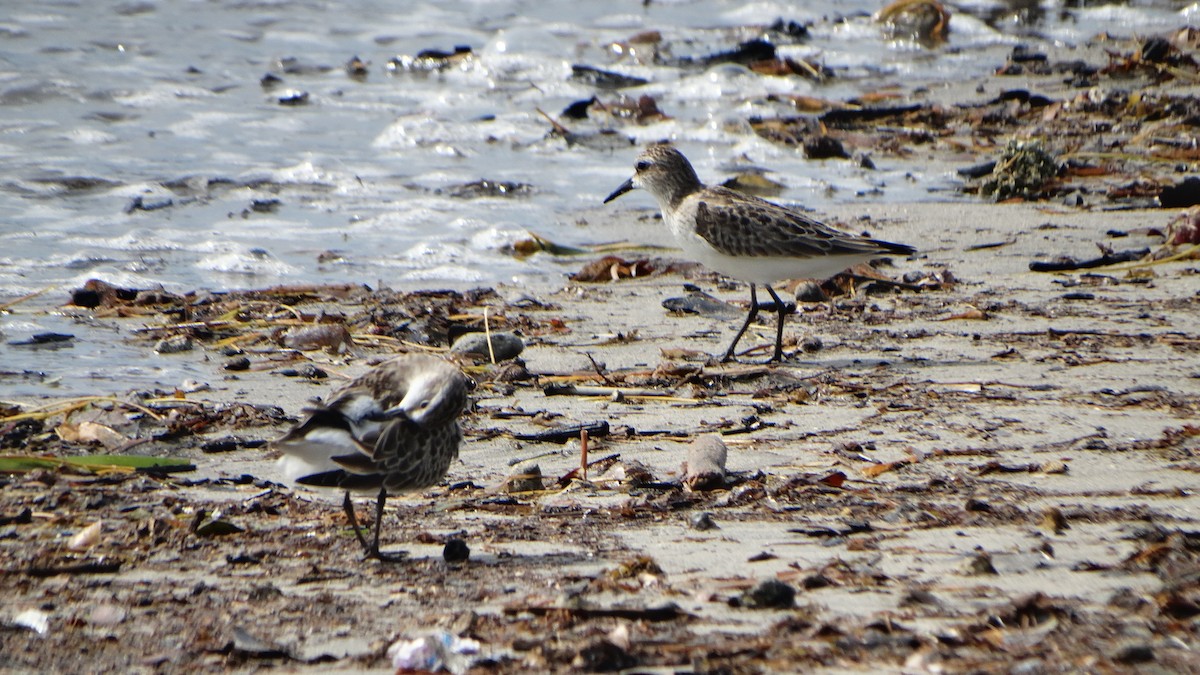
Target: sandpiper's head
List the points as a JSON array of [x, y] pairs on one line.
[[435, 396], [664, 172]]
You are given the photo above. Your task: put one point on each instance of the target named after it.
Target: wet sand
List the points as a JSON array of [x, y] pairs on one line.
[[992, 473]]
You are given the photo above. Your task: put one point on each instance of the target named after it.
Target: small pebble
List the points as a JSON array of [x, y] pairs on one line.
[[456, 550], [810, 291], [702, 521], [978, 505], [226, 444], [981, 563], [238, 363], [1073, 199], [526, 477], [294, 98], [307, 371], [174, 344], [1135, 654], [769, 594]]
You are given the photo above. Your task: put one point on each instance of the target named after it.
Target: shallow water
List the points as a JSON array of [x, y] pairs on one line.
[[105, 108]]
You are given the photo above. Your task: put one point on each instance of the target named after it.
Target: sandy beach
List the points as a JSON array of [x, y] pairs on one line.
[[995, 471], [962, 466]]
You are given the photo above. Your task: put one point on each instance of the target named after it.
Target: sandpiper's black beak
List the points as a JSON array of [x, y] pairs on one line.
[[625, 187]]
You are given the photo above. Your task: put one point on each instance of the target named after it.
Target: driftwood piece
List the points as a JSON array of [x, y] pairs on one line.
[[1066, 264]]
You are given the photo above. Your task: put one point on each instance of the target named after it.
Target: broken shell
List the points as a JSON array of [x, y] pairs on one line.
[[86, 538]]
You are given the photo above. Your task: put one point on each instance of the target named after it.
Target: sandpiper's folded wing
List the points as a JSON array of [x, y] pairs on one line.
[[746, 226], [342, 479]]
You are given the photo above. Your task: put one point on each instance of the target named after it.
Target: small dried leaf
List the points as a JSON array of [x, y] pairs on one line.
[[835, 479], [878, 469]]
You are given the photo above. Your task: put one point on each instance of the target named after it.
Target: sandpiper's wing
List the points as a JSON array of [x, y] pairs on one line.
[[741, 225], [399, 447], [412, 456], [335, 438], [345, 480]]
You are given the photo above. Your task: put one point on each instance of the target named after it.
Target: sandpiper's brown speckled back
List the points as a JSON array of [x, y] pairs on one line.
[[396, 426]]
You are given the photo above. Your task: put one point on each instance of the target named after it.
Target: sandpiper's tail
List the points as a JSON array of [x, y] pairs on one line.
[[889, 247]]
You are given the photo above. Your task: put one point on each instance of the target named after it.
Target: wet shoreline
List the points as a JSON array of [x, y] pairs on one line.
[[962, 464], [1007, 444]]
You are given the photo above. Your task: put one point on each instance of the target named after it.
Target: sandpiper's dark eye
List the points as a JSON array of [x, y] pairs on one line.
[[642, 165]]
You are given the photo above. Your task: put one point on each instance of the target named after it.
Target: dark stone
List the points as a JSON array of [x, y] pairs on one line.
[[769, 594], [456, 550], [1181, 195], [226, 444], [1135, 654], [603, 656], [824, 147], [810, 291], [978, 505]]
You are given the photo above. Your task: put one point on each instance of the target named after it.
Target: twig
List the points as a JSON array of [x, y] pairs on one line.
[[295, 312], [421, 347], [583, 452], [565, 434], [81, 568], [1103, 261], [487, 333], [597, 368], [554, 123], [13, 303], [570, 475], [584, 390]]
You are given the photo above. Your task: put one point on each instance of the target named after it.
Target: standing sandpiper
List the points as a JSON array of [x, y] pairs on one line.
[[394, 429], [746, 237]]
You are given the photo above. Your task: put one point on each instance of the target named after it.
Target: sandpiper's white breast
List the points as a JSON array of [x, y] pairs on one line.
[[758, 269]]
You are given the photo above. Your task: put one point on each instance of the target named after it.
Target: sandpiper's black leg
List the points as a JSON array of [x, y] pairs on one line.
[[348, 507], [371, 550], [782, 310], [379, 501], [749, 317]]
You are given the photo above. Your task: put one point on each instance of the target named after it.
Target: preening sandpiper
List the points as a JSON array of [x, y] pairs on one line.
[[394, 429], [746, 237]]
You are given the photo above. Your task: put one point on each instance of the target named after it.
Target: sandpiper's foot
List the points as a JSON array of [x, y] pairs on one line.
[[374, 553]]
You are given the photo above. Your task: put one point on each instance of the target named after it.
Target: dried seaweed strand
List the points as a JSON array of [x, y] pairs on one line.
[[71, 405], [1182, 255]]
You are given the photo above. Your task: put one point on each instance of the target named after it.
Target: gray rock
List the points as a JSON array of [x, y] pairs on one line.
[[526, 477], [505, 346], [174, 344]]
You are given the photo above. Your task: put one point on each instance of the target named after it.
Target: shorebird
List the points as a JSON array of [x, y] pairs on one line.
[[745, 237], [394, 429]]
